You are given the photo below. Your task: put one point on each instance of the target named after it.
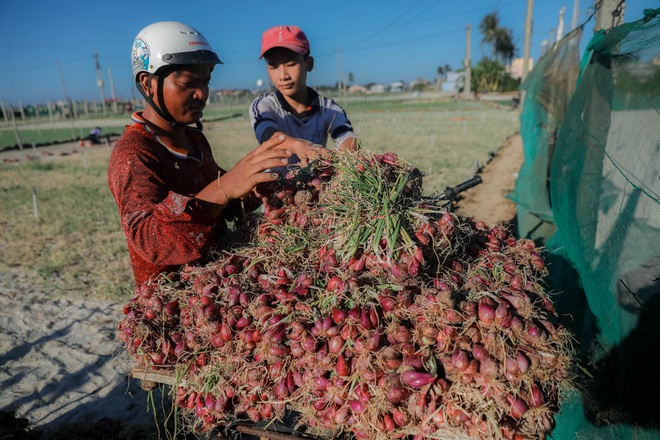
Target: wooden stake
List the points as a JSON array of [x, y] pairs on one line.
[[84, 160], [34, 204]]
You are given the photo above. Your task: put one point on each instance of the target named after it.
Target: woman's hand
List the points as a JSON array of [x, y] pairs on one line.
[[250, 171], [253, 169]]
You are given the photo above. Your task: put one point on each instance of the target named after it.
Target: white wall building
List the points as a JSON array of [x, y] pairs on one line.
[[397, 86], [516, 67], [377, 88], [454, 81]]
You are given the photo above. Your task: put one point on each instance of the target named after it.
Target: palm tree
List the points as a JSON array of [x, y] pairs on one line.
[[500, 39], [504, 46], [488, 28]]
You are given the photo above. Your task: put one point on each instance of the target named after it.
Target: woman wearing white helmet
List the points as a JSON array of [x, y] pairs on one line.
[[160, 49], [172, 197]]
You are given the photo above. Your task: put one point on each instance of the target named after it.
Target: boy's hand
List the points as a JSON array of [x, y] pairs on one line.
[[305, 150], [350, 144]]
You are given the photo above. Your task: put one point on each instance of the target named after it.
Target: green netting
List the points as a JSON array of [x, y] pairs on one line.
[[547, 92], [599, 189]]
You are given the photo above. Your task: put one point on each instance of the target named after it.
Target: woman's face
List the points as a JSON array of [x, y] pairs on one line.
[[185, 92]]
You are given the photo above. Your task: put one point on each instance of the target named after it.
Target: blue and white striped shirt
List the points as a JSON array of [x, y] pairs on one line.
[[325, 119]]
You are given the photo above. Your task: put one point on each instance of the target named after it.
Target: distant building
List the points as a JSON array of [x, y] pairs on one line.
[[397, 86], [516, 67], [454, 82], [418, 84], [357, 90], [377, 88]]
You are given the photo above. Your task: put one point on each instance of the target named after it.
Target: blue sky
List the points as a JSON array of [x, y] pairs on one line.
[[382, 41]]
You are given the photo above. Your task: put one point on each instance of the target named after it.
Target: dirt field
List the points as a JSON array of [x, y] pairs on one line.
[[488, 201]]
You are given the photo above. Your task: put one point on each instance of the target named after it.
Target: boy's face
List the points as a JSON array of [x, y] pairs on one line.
[[288, 70]]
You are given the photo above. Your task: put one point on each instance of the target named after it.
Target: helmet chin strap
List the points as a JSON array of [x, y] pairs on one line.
[[162, 111]]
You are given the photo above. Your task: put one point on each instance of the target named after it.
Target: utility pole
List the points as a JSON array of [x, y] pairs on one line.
[[16, 132], [576, 12], [544, 47], [99, 81], [112, 91], [551, 41], [4, 111], [609, 14], [560, 25], [67, 101], [339, 72], [529, 23], [467, 93]]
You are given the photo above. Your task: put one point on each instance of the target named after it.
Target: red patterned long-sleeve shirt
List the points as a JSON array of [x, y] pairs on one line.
[[154, 187]]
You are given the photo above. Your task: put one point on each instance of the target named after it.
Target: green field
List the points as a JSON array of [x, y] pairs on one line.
[[447, 140], [44, 131], [73, 242]]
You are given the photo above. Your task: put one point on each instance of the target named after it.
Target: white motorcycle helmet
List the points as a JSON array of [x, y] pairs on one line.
[[168, 43]]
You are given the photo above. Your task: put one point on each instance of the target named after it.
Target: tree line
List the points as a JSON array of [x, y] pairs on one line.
[[498, 49]]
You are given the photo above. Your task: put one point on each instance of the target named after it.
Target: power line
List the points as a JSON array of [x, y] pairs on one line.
[[64, 43], [319, 55], [402, 42], [387, 26], [45, 66]]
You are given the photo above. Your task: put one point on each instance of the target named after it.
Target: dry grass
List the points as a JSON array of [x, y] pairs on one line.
[[447, 141], [77, 246], [73, 241], [447, 146]]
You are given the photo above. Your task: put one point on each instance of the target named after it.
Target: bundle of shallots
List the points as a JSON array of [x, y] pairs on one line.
[[366, 309]]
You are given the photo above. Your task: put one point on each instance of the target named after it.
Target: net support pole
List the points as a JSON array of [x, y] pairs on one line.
[[529, 23], [609, 14]]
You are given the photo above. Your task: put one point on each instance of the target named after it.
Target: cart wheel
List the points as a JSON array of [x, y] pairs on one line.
[[215, 435], [147, 385]]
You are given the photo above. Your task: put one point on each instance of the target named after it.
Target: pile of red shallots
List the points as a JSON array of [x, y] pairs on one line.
[[367, 309]]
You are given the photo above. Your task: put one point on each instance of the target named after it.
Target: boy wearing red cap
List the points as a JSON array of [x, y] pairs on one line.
[[293, 108]]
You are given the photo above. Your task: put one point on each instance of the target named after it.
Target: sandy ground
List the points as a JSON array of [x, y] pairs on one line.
[[59, 360], [43, 153], [488, 201]]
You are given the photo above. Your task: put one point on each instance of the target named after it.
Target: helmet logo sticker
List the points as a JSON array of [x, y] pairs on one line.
[[140, 54]]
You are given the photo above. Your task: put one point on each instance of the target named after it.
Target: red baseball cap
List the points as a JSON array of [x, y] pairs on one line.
[[290, 37]]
